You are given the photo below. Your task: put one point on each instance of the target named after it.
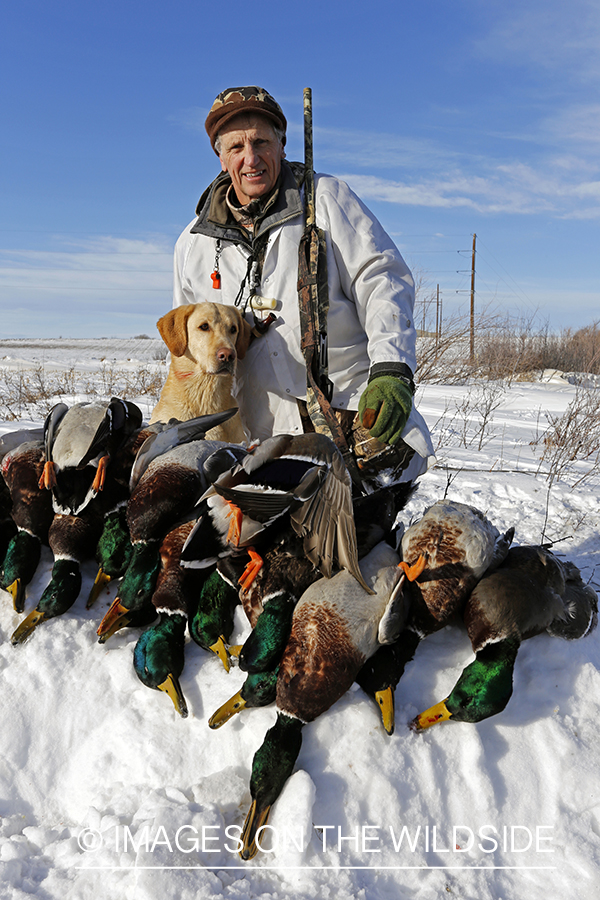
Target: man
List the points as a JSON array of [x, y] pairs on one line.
[[242, 249]]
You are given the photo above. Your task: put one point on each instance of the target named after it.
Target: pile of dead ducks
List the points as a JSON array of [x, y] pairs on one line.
[[334, 590]]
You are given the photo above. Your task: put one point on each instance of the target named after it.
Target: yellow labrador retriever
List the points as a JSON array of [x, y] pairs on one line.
[[205, 341]]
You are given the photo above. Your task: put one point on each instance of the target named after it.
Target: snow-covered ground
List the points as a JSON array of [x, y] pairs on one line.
[[106, 793]]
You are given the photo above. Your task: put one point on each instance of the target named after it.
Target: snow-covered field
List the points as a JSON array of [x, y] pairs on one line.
[[106, 793]]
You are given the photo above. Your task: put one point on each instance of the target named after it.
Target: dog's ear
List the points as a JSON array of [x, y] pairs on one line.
[[243, 339], [173, 328]]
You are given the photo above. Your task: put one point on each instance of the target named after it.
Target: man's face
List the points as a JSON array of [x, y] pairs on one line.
[[251, 152]]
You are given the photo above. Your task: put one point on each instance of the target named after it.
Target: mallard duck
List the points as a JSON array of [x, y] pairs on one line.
[[531, 592], [269, 598], [79, 444], [301, 478], [166, 492], [113, 551], [445, 553], [259, 689], [336, 627], [158, 656], [72, 539], [212, 622], [32, 514]]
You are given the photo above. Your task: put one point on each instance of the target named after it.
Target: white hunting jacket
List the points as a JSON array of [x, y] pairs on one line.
[[371, 299]]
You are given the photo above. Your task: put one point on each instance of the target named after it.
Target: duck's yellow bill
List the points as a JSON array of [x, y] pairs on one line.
[[172, 687], [224, 713], [220, 648], [100, 582], [255, 820], [17, 592], [437, 713], [26, 627], [385, 701]]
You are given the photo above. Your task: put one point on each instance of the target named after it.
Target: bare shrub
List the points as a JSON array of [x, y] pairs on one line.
[[469, 422], [30, 392], [570, 447], [512, 348]]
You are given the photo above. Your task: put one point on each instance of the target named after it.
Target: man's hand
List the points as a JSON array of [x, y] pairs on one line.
[[385, 407]]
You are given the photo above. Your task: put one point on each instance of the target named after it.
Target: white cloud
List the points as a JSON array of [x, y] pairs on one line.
[[548, 34], [102, 264], [510, 188]]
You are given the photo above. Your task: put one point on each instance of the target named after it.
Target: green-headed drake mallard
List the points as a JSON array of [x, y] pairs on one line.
[[114, 549], [530, 592], [212, 621], [32, 513], [72, 539], [159, 655], [165, 493], [336, 627]]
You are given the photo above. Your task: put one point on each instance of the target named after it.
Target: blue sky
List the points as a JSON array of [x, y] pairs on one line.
[[448, 117]]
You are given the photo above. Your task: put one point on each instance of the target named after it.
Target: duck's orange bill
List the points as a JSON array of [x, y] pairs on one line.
[[114, 615], [413, 572], [252, 569], [48, 477]]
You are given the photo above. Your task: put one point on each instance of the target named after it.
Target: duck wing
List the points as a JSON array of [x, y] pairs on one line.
[[51, 423], [580, 606], [167, 436], [500, 550], [325, 520]]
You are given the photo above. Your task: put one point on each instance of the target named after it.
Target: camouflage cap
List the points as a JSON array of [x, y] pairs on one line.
[[249, 99]]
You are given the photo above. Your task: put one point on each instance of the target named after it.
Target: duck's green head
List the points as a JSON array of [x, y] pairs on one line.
[[212, 623], [20, 563], [158, 658], [483, 689], [59, 596], [272, 765], [135, 591], [114, 550]]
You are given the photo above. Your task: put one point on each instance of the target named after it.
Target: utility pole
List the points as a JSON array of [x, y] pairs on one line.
[[472, 353], [437, 317]]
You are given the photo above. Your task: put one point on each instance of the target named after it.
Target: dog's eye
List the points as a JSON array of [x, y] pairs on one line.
[[233, 329], [204, 327]]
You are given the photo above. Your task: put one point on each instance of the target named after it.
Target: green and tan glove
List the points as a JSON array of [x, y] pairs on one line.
[[386, 403]]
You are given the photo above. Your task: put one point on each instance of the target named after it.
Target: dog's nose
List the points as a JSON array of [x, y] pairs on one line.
[[225, 354]]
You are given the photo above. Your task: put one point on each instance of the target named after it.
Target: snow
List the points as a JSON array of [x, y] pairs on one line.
[[106, 793]]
